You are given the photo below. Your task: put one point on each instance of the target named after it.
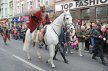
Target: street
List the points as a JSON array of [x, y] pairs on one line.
[[13, 58]]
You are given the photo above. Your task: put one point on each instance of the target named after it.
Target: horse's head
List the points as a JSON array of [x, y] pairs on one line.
[[67, 18], [68, 22]]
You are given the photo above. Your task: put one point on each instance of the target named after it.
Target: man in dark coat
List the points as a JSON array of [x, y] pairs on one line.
[[98, 48], [60, 45]]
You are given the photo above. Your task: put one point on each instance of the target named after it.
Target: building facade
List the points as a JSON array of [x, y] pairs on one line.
[[88, 10], [15, 10], [3, 9]]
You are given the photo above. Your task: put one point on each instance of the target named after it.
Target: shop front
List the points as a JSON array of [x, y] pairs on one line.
[[88, 10]]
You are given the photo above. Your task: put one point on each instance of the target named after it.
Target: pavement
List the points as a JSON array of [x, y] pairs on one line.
[[13, 58]]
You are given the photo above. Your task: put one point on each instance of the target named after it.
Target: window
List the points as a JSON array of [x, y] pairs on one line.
[[30, 2], [22, 7], [46, 2], [58, 0], [2, 12], [41, 1], [6, 12], [11, 4], [73, 13], [38, 0], [85, 14], [102, 14], [17, 9]]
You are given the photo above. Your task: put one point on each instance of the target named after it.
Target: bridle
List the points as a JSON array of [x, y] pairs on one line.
[[65, 24]]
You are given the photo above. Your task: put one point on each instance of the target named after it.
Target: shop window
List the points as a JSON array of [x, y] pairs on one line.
[[38, 0], [85, 14], [22, 7], [6, 12], [42, 1], [30, 2], [11, 4], [102, 14], [46, 2], [73, 14]]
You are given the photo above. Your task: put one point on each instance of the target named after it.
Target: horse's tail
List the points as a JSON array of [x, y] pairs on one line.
[[27, 40]]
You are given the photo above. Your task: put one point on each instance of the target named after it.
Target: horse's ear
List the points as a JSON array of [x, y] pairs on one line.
[[66, 10]]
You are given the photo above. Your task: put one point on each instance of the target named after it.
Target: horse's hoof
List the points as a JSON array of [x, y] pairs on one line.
[[55, 59], [67, 62], [53, 66], [46, 61], [40, 57], [29, 59]]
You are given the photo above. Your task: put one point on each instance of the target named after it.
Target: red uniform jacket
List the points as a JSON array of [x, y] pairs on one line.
[[36, 20]]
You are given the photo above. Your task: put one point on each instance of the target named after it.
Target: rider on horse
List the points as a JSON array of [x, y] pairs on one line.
[[38, 19]]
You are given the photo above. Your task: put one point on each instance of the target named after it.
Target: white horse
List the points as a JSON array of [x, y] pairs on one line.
[[51, 36]]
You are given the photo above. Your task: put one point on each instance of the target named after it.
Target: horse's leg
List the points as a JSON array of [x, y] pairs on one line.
[[52, 53], [28, 50], [27, 44], [38, 53], [28, 54]]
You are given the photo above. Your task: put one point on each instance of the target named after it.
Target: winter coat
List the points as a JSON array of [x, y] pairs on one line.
[[95, 33], [62, 37], [81, 35]]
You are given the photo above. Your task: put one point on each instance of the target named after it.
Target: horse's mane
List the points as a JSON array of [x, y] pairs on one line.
[[58, 18]]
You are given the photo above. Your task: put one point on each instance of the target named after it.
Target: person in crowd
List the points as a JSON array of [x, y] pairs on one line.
[[60, 46], [92, 43], [76, 25], [81, 34], [74, 42], [15, 33], [98, 39], [1, 30], [12, 31], [68, 49], [5, 35], [87, 39], [106, 42]]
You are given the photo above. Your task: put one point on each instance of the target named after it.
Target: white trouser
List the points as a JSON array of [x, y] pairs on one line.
[[81, 47]]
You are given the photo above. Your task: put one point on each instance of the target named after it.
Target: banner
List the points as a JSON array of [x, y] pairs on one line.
[[79, 4]]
